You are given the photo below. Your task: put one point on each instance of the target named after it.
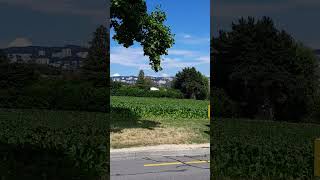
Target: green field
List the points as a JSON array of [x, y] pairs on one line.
[[161, 107], [244, 149], [36, 143], [140, 121]]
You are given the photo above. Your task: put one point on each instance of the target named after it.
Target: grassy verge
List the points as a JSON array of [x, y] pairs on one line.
[[154, 121], [244, 149]]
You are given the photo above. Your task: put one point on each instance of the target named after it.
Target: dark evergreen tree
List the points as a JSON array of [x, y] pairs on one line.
[[140, 81], [96, 66]]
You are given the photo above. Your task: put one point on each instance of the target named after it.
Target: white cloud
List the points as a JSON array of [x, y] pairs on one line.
[[132, 57], [177, 58], [164, 75], [189, 39], [115, 75], [20, 42], [187, 36], [180, 52]]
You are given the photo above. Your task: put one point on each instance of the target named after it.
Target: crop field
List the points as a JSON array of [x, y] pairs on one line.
[[36, 142], [141, 121], [161, 107], [245, 149]]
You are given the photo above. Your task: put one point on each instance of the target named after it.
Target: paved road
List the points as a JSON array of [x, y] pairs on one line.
[[162, 165]]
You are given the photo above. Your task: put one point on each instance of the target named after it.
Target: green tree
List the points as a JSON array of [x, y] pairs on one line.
[[140, 81], [191, 83], [95, 68], [143, 82], [131, 22], [16, 76], [264, 69]]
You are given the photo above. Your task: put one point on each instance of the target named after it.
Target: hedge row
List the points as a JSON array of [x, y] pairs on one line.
[[53, 145], [137, 92]]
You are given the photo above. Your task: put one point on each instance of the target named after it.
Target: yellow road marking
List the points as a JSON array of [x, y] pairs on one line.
[[175, 163]]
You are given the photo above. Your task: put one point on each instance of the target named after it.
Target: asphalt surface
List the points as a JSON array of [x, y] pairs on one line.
[[162, 165]]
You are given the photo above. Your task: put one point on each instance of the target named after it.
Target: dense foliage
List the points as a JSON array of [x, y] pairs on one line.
[[191, 83], [222, 105], [131, 22], [160, 107], [264, 70], [17, 75], [138, 92], [262, 149], [51, 145], [57, 94]]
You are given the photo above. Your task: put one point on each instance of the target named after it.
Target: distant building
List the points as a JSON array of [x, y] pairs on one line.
[[66, 53], [41, 53], [82, 54], [42, 60], [57, 55], [159, 81], [20, 58]]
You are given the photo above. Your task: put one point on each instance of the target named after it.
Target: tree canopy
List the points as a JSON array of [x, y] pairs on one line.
[[191, 83], [264, 69], [132, 22]]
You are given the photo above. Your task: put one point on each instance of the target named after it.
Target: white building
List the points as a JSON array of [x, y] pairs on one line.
[[161, 82], [41, 53], [66, 52], [82, 54], [154, 89], [42, 61], [57, 55]]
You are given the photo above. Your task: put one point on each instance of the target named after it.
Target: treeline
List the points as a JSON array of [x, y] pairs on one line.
[[264, 73], [188, 83], [38, 86]]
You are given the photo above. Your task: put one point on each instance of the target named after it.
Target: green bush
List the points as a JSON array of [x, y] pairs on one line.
[[53, 145]]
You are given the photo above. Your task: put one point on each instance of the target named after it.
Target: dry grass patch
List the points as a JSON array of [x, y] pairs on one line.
[[146, 137]]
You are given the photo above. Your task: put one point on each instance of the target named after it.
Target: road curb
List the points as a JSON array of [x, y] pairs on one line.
[[161, 150]]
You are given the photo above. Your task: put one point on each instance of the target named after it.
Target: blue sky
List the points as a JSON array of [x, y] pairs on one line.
[[297, 17], [190, 22]]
